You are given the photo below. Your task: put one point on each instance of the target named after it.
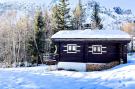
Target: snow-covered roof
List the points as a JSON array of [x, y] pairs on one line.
[[92, 34]]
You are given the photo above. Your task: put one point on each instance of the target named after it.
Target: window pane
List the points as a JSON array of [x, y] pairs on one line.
[[99, 49], [74, 48], [94, 49], [69, 48]]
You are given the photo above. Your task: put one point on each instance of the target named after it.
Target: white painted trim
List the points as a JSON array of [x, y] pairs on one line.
[[65, 50], [104, 47], [104, 51], [71, 52], [56, 49], [101, 48], [65, 46], [72, 44], [98, 46], [77, 50], [75, 45], [97, 53]]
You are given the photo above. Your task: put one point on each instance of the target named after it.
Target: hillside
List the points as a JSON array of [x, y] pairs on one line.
[[110, 16]]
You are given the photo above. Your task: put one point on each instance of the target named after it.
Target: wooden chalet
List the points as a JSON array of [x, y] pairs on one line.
[[91, 46]]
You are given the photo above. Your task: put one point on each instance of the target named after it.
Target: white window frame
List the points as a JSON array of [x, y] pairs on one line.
[[97, 46], [72, 47]]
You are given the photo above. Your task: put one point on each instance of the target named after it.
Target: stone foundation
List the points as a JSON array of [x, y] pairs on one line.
[[101, 66], [86, 66]]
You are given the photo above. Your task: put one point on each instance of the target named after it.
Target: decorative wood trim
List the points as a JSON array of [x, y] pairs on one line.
[[101, 48], [56, 49], [71, 45]]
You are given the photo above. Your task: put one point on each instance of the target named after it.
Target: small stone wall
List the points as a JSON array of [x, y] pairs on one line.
[[99, 67]]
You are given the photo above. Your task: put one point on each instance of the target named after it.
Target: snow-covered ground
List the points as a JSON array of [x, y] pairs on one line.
[[119, 77]]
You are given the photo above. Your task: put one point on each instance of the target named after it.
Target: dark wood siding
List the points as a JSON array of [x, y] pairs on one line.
[[71, 57], [111, 54], [114, 51], [124, 57]]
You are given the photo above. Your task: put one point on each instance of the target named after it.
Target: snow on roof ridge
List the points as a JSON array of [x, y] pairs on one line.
[[88, 33]]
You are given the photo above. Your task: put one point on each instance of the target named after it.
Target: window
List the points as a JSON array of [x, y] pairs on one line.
[[97, 49], [72, 48]]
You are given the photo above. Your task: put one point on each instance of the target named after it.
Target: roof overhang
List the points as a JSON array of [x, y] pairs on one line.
[[92, 39]]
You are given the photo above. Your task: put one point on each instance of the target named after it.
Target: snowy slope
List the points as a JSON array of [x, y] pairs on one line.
[[107, 14], [110, 18], [119, 77], [23, 5]]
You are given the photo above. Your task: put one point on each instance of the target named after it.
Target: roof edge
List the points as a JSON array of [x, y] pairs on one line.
[[91, 39]]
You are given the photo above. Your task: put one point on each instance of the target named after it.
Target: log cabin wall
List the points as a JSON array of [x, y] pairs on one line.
[[124, 53], [110, 51]]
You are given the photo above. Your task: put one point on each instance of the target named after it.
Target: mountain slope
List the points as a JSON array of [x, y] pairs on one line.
[[110, 16], [22, 5]]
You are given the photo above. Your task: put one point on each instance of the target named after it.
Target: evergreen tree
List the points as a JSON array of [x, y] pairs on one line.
[[39, 35], [79, 16], [61, 16], [37, 42], [95, 16], [54, 19]]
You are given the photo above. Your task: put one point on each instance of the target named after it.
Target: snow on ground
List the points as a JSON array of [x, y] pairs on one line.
[[119, 77]]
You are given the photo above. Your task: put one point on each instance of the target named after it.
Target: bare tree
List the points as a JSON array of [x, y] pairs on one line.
[[15, 32]]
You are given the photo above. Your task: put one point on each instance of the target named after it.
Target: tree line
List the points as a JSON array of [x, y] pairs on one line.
[[25, 40]]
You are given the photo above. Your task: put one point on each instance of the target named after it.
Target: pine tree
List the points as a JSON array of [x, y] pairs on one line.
[[54, 19], [61, 16], [95, 16], [79, 16], [37, 42]]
